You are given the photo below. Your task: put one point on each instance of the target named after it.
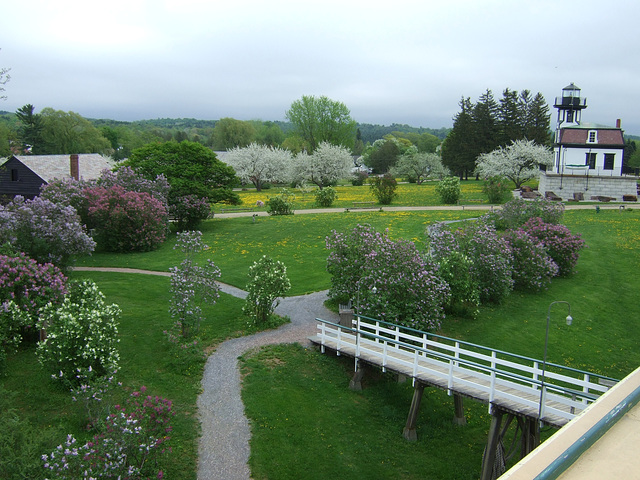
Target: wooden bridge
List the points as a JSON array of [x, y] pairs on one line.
[[518, 386]]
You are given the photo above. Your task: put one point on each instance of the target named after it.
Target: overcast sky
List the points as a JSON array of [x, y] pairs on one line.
[[388, 62]]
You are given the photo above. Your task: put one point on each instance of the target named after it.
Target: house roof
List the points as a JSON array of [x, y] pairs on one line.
[[49, 167], [579, 136]]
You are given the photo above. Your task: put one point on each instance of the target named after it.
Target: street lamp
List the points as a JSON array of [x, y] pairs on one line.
[[569, 320]]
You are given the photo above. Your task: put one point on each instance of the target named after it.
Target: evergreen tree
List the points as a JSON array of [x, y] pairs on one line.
[[30, 132], [485, 119], [509, 118], [537, 121], [458, 149]]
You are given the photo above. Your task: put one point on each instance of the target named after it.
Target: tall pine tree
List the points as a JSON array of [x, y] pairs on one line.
[[458, 149]]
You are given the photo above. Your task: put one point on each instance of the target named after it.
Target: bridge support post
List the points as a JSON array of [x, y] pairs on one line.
[[356, 381], [409, 432], [489, 456], [530, 436], [458, 403]]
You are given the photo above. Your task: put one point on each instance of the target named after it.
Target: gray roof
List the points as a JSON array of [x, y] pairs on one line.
[[49, 167]]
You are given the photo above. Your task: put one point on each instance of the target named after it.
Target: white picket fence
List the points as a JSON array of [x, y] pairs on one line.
[[513, 382]]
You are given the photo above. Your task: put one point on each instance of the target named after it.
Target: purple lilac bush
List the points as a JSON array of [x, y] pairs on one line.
[[560, 244], [408, 290], [532, 266], [491, 260], [46, 231], [189, 211], [132, 181], [126, 221]]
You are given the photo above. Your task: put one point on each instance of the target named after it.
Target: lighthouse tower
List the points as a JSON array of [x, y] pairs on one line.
[[570, 106]]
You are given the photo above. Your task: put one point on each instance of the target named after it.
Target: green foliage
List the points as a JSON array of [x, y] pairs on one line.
[[326, 196], [230, 133], [281, 204], [81, 333], [189, 211], [497, 189], [320, 119], [359, 178], [68, 132], [384, 188], [268, 281], [189, 167], [516, 212], [449, 190]]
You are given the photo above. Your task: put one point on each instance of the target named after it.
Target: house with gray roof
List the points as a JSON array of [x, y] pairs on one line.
[[26, 174]]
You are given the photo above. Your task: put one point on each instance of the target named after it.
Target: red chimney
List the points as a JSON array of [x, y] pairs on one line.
[[74, 166], [618, 123]]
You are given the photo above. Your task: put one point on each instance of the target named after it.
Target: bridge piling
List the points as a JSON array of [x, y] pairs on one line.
[[458, 418], [409, 432]]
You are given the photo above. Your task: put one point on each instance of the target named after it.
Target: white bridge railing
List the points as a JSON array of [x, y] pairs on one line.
[[513, 382]]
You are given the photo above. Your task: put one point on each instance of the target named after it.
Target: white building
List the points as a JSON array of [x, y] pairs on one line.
[[588, 157]]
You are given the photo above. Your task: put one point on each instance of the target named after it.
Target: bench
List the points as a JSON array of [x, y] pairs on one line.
[[361, 205]]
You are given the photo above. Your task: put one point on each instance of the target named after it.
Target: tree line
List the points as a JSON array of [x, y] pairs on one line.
[[57, 132]]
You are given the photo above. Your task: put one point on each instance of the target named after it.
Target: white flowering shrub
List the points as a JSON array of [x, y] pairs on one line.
[[268, 281], [81, 333]]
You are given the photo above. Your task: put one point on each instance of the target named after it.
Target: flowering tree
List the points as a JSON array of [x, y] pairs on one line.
[[126, 221], [46, 231], [408, 290], [518, 162], [419, 165], [192, 285], [259, 163], [325, 166], [81, 333], [449, 190], [268, 281]]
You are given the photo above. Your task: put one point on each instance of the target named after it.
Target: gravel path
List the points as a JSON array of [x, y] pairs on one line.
[[224, 444]]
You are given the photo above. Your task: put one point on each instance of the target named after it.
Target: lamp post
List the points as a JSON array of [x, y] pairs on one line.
[[569, 320]]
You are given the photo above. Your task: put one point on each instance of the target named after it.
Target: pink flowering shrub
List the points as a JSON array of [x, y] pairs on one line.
[[560, 244], [126, 221], [68, 192], [532, 267], [46, 231], [129, 447], [132, 181], [408, 290]]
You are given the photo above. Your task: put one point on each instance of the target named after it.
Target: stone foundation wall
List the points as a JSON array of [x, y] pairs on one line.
[[565, 186]]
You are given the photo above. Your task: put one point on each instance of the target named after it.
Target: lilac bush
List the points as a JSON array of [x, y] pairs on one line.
[[192, 285], [560, 244], [129, 447], [46, 231], [126, 221], [491, 260], [516, 212], [189, 211], [532, 267], [68, 192], [408, 290], [81, 333], [132, 181], [454, 267]]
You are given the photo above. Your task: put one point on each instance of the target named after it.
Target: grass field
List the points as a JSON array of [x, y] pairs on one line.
[[300, 408]]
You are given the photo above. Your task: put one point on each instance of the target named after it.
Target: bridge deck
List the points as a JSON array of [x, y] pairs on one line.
[[486, 376]]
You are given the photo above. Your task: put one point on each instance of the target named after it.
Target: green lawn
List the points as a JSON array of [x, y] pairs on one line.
[[301, 411]]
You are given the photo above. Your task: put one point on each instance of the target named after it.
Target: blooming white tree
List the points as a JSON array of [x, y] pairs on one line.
[[419, 165], [518, 162], [328, 164], [259, 164]]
